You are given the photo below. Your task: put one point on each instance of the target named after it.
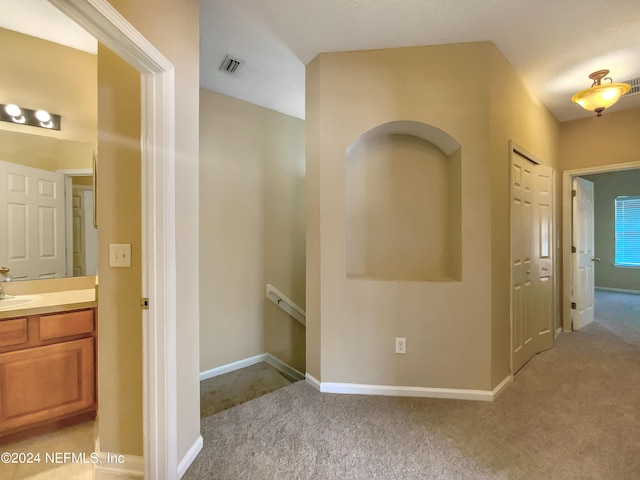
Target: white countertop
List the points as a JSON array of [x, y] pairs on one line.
[[53, 302]]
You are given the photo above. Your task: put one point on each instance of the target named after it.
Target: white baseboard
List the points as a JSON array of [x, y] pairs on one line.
[[288, 370], [132, 465], [398, 391], [233, 366], [501, 387], [558, 332], [190, 456], [619, 290], [247, 362], [311, 380]]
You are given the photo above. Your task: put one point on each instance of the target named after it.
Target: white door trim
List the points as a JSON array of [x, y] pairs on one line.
[[76, 172], [567, 263], [101, 20], [68, 173]]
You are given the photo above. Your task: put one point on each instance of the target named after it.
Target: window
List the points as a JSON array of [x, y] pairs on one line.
[[628, 231]]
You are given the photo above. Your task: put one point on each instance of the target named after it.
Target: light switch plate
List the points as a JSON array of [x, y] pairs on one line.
[[120, 255]]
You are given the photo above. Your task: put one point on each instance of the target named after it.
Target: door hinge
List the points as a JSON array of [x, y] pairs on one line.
[[574, 193], [144, 303], [573, 249], [573, 305]]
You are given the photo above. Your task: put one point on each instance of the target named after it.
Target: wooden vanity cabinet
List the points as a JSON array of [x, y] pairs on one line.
[[47, 370]]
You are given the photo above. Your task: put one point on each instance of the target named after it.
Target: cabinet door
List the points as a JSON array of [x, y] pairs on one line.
[[43, 383]]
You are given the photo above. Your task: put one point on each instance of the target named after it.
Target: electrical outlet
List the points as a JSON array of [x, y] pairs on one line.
[[401, 345]]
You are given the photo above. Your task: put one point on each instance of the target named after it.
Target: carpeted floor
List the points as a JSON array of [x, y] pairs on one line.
[[231, 389], [573, 413]]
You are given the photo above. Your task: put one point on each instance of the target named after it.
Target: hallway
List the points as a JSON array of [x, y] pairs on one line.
[[572, 413]]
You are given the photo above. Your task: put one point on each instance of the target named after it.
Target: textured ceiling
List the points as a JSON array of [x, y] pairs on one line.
[[553, 44], [39, 18]]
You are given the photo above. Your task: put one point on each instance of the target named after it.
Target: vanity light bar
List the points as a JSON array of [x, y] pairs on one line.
[[23, 116]]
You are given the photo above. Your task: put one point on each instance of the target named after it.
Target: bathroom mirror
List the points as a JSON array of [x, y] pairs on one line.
[[48, 211]]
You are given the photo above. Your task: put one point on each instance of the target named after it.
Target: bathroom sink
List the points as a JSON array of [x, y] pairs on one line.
[[18, 301]]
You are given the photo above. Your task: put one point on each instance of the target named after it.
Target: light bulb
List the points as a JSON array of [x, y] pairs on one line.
[[43, 116], [13, 110]]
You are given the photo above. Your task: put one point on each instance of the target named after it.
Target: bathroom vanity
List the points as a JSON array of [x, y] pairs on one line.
[[48, 362]]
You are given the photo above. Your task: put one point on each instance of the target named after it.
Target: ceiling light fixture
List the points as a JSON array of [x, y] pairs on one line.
[[598, 97], [34, 118]]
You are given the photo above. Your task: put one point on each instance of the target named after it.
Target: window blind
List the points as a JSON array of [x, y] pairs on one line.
[[627, 228]]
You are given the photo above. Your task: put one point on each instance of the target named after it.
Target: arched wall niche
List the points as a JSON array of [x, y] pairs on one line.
[[404, 204]]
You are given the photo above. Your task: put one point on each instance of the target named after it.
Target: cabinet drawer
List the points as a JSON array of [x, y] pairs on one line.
[[66, 324], [13, 332]]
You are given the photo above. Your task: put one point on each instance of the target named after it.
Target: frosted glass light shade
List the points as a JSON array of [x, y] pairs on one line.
[[599, 97]]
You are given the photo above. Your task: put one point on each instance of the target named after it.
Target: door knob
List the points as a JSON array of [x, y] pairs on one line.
[[595, 259]]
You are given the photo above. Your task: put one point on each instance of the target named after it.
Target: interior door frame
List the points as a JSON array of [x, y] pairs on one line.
[[567, 256], [157, 81], [68, 222]]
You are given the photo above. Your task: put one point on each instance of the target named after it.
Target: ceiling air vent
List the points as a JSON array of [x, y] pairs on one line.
[[230, 65], [635, 86]]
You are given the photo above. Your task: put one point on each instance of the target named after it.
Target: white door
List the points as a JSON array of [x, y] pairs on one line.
[[32, 222], [543, 256], [531, 259], [582, 291]]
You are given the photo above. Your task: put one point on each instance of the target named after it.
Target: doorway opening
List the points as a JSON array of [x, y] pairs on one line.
[[571, 304], [158, 247]]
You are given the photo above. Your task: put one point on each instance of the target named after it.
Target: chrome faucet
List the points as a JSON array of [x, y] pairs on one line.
[[4, 277]]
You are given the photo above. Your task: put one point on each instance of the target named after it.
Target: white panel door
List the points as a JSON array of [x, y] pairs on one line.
[[522, 295], [32, 221], [583, 253], [531, 259], [543, 257]]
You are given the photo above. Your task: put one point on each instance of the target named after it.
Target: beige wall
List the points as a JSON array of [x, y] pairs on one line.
[[45, 152], [598, 141], [251, 231], [515, 114], [354, 322], [172, 27], [401, 230], [313, 282], [457, 332], [608, 186], [284, 227], [119, 213], [36, 74]]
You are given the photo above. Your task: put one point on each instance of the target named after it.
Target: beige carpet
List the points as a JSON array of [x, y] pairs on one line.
[[573, 413], [231, 389]]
